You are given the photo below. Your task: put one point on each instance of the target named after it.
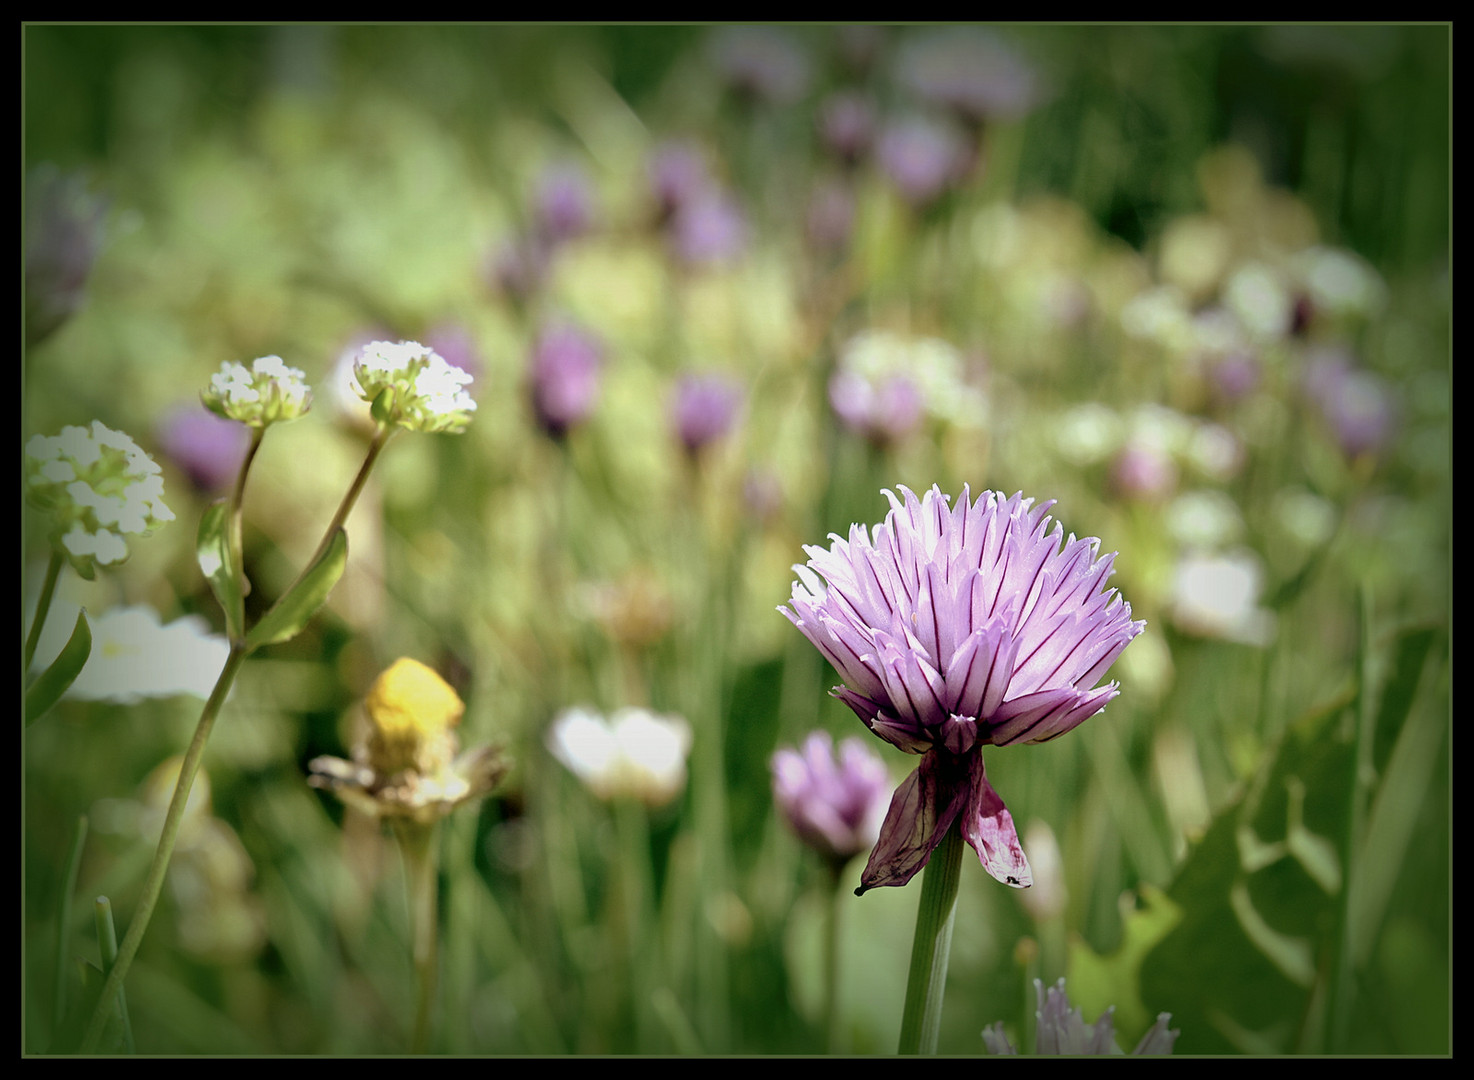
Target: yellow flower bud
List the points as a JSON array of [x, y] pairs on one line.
[[412, 712]]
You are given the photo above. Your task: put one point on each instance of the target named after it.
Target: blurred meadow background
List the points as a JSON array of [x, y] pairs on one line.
[[718, 287]]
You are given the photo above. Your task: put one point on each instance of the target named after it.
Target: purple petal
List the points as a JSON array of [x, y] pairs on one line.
[[988, 827], [1047, 714], [922, 810]]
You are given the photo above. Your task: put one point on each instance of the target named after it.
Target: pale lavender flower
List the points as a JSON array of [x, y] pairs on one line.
[[1144, 470], [835, 808], [708, 229], [1356, 404], [207, 447], [922, 158], [704, 409], [565, 378], [678, 173], [884, 408], [565, 205], [969, 70], [1062, 1030], [954, 628], [847, 125], [762, 62]]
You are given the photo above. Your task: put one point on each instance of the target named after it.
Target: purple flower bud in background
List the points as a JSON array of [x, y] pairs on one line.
[[836, 809], [678, 173], [63, 235], [847, 125], [922, 158], [1144, 471], [883, 410], [970, 70], [564, 372], [1062, 1030], [1234, 376], [207, 447], [704, 409], [1357, 405], [708, 230], [761, 62], [565, 205]]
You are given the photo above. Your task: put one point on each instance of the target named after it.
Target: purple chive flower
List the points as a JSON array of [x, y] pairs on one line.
[[1357, 405], [922, 158], [954, 628], [761, 62], [565, 378], [969, 70], [678, 173], [1062, 1030], [708, 229], [1144, 471], [884, 409], [704, 409], [847, 125], [207, 447], [565, 205], [834, 808]]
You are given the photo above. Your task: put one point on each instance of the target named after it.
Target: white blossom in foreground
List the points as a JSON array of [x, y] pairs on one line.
[[427, 393], [262, 394]]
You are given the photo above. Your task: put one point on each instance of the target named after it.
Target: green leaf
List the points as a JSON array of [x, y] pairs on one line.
[[292, 612], [53, 682], [212, 550]]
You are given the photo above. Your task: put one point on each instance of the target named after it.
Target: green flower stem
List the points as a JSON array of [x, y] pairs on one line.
[[633, 871], [376, 447], [837, 899], [153, 884], [236, 540], [417, 845], [107, 945], [922, 1017], [43, 606]]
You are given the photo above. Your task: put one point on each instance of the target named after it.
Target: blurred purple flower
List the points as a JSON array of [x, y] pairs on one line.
[[1234, 376], [565, 378], [847, 125], [762, 62], [922, 158], [63, 236], [1062, 1030], [709, 229], [704, 409], [969, 70], [1144, 471], [834, 808], [565, 205], [207, 447], [1356, 404], [678, 173], [954, 628], [883, 410]]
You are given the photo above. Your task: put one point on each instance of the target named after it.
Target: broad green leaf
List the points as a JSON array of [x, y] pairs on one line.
[[53, 682], [292, 612], [212, 550]]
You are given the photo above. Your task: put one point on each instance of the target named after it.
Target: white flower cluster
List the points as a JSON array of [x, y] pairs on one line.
[[634, 754], [98, 485], [428, 392], [262, 394]]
